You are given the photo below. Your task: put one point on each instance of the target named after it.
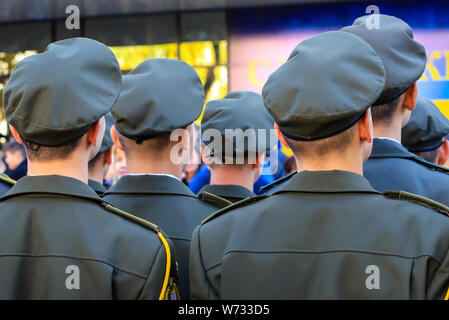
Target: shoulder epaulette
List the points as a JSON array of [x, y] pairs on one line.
[[276, 182], [214, 199], [170, 287], [431, 165], [408, 196], [235, 205], [7, 179], [130, 217]]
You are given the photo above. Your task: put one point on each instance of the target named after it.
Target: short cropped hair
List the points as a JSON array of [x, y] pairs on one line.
[[384, 112], [318, 148], [429, 156], [157, 143], [40, 152]]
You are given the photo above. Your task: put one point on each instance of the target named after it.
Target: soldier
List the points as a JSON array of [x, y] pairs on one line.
[[326, 234], [159, 96], [391, 166], [240, 121], [424, 134], [99, 165], [58, 239]]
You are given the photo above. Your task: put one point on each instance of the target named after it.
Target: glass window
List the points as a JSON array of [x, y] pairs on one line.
[[133, 30], [25, 36]]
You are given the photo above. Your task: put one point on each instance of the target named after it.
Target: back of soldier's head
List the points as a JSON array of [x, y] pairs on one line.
[[404, 60], [317, 99], [52, 99], [160, 98], [236, 131]]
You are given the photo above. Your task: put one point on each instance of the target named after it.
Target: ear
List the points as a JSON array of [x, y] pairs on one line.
[[410, 97], [114, 136], [15, 134], [280, 135], [443, 153], [108, 157], [366, 127], [94, 132]]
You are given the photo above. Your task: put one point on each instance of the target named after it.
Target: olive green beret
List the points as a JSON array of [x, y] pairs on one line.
[[325, 87], [238, 110], [159, 95], [426, 128], [107, 140], [54, 97], [404, 59]]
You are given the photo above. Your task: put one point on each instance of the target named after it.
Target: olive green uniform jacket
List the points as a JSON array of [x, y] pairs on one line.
[[59, 240], [222, 195], [170, 204], [323, 235]]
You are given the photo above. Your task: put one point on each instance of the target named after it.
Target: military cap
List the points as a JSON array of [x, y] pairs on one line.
[[54, 97], [107, 140], [404, 58], [426, 128], [325, 87], [159, 95], [241, 110]]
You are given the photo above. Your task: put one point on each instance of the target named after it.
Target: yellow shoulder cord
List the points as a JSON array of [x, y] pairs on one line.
[[167, 265], [6, 178], [447, 295], [154, 228]]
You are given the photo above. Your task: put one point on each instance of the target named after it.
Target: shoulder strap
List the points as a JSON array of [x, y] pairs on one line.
[[170, 286], [4, 177], [408, 196], [214, 199], [278, 181], [235, 205]]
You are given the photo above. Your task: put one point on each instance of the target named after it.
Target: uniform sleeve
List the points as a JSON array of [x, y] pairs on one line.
[[159, 286], [200, 287], [438, 286]]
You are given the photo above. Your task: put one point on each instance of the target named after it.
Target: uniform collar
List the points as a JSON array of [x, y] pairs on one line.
[[389, 148], [97, 186], [334, 181], [227, 191], [149, 183], [53, 184]]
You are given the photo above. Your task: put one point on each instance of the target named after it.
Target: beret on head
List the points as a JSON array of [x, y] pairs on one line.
[[404, 58], [54, 97], [426, 128], [325, 87], [107, 140], [239, 110], [159, 95]]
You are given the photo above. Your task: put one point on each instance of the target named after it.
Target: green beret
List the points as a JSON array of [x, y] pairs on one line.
[[159, 95], [426, 128], [404, 59], [238, 110], [107, 140], [325, 87], [54, 97]]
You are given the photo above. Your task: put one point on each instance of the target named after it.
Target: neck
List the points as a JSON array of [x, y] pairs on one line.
[[135, 165], [96, 171], [239, 177], [71, 167], [390, 130], [352, 162]]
